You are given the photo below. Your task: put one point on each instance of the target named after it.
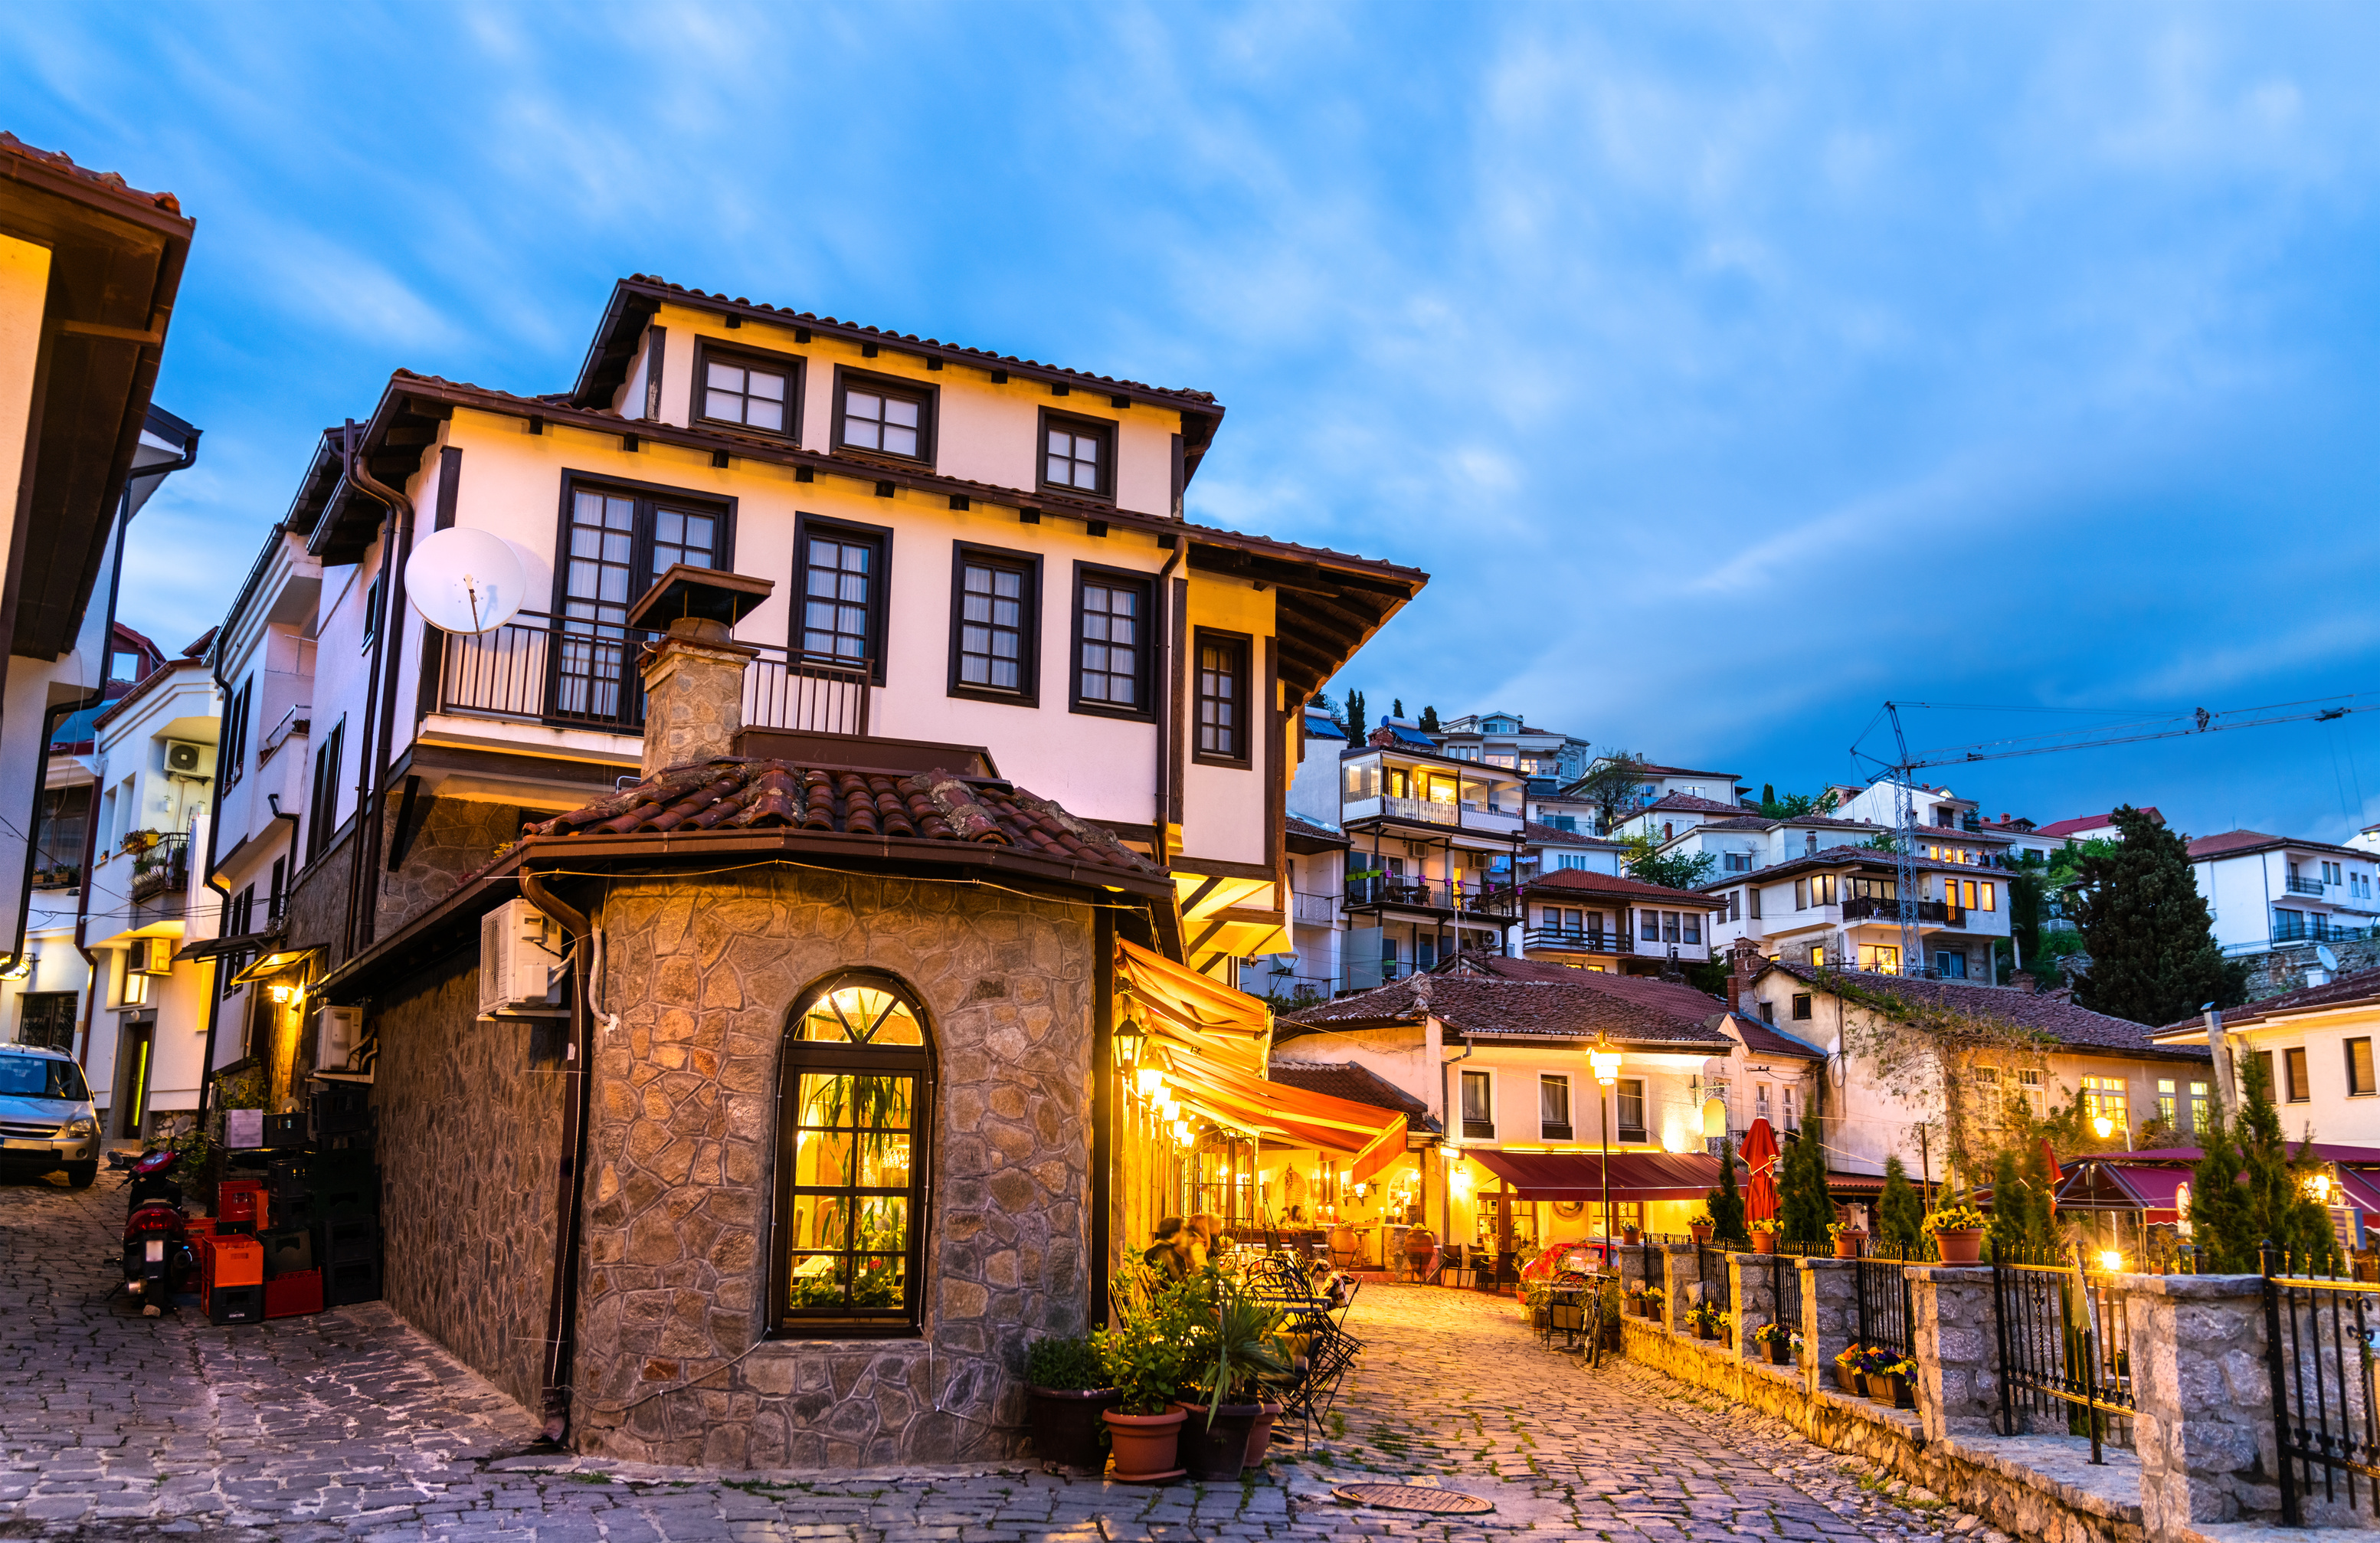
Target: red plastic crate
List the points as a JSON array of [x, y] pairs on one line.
[[292, 1294], [241, 1200]]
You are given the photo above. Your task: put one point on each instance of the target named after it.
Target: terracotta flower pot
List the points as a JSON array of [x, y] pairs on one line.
[[1630, 1235], [1260, 1434], [1847, 1244], [1764, 1243], [1846, 1380], [1064, 1424], [1705, 1332], [1701, 1231], [1960, 1245], [1780, 1353], [1146, 1445], [1217, 1450]]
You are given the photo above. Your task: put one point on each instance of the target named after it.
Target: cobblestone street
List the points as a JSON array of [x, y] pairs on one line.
[[348, 1424]]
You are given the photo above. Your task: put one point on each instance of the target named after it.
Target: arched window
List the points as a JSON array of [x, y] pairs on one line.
[[853, 1113]]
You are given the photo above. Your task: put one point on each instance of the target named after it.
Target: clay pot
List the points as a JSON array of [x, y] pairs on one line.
[[1630, 1235], [1701, 1231], [1847, 1244], [1780, 1353], [1146, 1445], [1217, 1450], [1260, 1434], [1764, 1243], [1064, 1424], [1846, 1380], [1960, 1245]]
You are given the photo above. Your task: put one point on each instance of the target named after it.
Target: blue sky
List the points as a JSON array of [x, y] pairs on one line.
[[1731, 368]]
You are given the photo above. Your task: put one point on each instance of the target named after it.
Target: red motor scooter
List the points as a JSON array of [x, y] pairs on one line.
[[159, 1263]]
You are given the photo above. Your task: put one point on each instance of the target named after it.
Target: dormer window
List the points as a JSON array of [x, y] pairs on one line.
[[750, 390], [1078, 455]]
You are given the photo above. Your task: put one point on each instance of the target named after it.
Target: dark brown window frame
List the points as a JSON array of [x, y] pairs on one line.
[[798, 1055], [794, 366], [929, 430], [640, 557], [1108, 428], [1200, 637], [2347, 1048], [878, 617], [1147, 680], [2295, 1073], [231, 756], [1028, 662]]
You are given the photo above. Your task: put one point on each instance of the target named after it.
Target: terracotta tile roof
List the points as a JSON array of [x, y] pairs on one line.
[[2057, 828], [2233, 843], [1729, 777], [1568, 882], [1299, 828], [811, 319], [1634, 1010], [106, 182], [1798, 823], [743, 794], [2073, 1028], [1555, 835], [2356, 985], [1356, 1084], [1687, 803], [1762, 1039]]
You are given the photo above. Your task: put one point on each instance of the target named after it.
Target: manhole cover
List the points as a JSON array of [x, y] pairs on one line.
[[1415, 1497]]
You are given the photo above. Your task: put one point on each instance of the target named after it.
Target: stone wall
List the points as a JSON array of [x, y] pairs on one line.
[[469, 1147], [2284, 969], [452, 837], [672, 1365]]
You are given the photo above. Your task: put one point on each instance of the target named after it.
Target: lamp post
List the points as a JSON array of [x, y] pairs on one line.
[[1605, 1060], [2104, 1125]]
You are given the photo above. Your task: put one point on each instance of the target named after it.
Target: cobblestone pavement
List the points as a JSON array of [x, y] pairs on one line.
[[350, 1425]]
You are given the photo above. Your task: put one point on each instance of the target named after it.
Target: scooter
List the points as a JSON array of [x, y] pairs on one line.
[[159, 1263]]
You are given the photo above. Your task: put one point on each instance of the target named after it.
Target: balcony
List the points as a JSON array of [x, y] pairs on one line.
[[1571, 939], [567, 673], [1483, 902], [1432, 811], [1865, 907], [2306, 886], [162, 865], [1318, 909]]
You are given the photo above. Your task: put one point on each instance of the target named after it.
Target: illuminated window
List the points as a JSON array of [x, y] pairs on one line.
[[852, 1160], [1991, 897], [1885, 957], [2197, 1106], [2106, 1098], [2165, 1099]]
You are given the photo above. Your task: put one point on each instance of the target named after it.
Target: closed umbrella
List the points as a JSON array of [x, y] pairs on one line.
[[1760, 1156]]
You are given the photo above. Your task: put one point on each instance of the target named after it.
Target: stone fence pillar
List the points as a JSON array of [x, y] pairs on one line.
[[1685, 1273], [1829, 1314], [1954, 1333], [1756, 1297], [2202, 1401], [1631, 1266]]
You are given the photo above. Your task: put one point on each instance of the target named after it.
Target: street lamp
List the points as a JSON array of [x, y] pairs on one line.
[[2104, 1126], [1605, 1060]]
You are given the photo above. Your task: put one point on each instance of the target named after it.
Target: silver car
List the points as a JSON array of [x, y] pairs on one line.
[[46, 1119]]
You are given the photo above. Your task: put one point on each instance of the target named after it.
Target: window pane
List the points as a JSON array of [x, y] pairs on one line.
[[767, 387], [724, 377], [765, 415], [1109, 627], [899, 412], [900, 442], [722, 404], [992, 641]]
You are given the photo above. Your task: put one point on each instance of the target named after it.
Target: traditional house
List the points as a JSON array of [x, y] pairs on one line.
[[2315, 1046], [1604, 922], [1839, 905]]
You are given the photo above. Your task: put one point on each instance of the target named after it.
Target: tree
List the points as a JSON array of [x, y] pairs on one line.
[[1803, 1209], [1793, 806], [2022, 1220], [1396, 707], [1727, 1201], [1901, 1210], [1675, 869], [2153, 958], [1429, 720], [1354, 716], [1767, 795], [1612, 784], [2247, 1190]]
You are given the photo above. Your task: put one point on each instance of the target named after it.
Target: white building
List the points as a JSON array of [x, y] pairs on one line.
[[1669, 782], [2315, 1046], [1840, 906], [2266, 891], [1506, 739]]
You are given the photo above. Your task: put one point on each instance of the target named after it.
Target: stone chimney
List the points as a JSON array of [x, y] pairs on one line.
[[1743, 962], [694, 676], [2023, 982]]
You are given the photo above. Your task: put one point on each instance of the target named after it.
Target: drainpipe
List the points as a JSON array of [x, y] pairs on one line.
[[569, 1187], [1159, 847], [371, 782]]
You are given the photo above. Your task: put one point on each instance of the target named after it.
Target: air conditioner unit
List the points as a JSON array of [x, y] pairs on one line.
[[338, 1032], [520, 958], [184, 756], [150, 956]]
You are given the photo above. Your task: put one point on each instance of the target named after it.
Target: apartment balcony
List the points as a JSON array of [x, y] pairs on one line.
[[568, 673], [1934, 913], [1431, 811], [1319, 910], [1572, 940], [2306, 886], [1485, 903]]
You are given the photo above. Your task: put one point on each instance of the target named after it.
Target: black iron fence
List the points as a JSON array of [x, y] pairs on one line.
[[1884, 1314], [1785, 1282], [1719, 1288], [2063, 1342], [2320, 1333]]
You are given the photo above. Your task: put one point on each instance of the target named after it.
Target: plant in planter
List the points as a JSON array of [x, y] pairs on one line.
[[1889, 1377], [1778, 1343], [1764, 1235], [1700, 1226], [1847, 1368], [1142, 1360], [1847, 1239], [1958, 1232], [1240, 1355], [1066, 1391], [1707, 1323]]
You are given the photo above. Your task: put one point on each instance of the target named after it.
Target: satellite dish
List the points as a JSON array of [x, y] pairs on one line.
[[2329, 960], [464, 580]]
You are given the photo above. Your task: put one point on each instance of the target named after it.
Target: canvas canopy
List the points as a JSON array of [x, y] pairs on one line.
[[1635, 1176]]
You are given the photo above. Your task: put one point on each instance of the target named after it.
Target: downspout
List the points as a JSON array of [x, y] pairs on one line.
[[1159, 846], [388, 656], [563, 1303]]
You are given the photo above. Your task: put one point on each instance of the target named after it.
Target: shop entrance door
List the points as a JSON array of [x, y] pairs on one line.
[[135, 1040]]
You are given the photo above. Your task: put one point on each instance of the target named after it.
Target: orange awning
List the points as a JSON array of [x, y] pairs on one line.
[[1231, 1027]]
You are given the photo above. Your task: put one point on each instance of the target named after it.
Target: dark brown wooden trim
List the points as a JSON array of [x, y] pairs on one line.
[[794, 367], [929, 431], [1276, 776], [1149, 616], [450, 484], [1028, 664], [656, 351], [1176, 735], [1109, 434], [1249, 717], [508, 763], [1103, 1119], [1180, 478], [1219, 868], [878, 613]]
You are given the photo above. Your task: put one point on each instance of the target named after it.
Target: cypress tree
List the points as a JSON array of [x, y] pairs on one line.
[[2151, 939], [2247, 1190], [1354, 716], [1803, 1209], [1727, 1201], [1396, 707], [1429, 720], [2021, 1191], [1901, 1210]]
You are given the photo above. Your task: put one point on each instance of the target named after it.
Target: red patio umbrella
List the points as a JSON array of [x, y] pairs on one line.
[[1760, 1155], [2049, 1159]]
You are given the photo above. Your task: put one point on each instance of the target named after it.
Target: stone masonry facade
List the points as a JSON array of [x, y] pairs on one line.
[[703, 974]]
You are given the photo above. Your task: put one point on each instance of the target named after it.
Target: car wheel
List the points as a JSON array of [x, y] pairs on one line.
[[80, 1174]]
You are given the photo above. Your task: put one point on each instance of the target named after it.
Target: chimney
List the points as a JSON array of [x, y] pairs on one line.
[[2022, 981], [1742, 966], [694, 676]]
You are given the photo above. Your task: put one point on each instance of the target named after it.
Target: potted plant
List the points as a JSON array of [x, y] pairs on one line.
[[1701, 1226], [1630, 1236], [1847, 1239], [1066, 1391], [1763, 1236], [1779, 1345], [1847, 1369], [1142, 1361], [1887, 1376], [1958, 1232], [1706, 1320], [1233, 1355]]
